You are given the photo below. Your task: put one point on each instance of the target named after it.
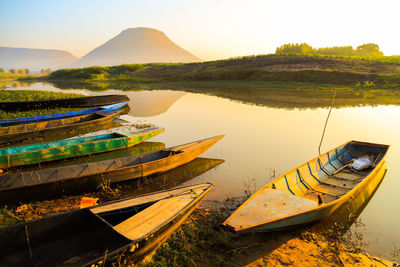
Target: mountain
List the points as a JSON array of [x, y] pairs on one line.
[[34, 59], [136, 45]]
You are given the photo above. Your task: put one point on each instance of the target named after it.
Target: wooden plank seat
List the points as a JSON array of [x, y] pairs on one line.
[[154, 216]]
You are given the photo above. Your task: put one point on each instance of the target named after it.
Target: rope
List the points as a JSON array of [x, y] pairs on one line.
[[326, 122]]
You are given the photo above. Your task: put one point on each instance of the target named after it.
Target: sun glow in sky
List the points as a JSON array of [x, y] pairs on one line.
[[210, 29]]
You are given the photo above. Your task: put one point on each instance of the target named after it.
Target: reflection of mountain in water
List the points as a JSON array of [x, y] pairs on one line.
[[152, 103]]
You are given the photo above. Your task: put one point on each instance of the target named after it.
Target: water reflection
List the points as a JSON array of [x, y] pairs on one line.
[[172, 178], [270, 95]]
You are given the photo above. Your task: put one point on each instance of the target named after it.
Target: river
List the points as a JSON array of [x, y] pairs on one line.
[[267, 136]]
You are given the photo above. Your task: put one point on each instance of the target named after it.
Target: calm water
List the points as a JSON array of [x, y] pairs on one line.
[[264, 139]]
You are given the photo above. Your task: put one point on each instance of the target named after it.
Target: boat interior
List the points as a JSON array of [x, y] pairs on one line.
[[320, 181], [331, 175], [21, 128]]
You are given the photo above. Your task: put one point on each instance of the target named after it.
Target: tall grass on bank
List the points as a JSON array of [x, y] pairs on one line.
[[30, 95]]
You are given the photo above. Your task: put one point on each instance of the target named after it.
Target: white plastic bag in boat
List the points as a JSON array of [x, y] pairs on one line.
[[362, 162]]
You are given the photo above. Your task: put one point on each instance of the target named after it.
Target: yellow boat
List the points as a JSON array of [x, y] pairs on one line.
[[313, 190]]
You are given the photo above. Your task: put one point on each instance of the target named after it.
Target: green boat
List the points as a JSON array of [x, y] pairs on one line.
[[38, 153]]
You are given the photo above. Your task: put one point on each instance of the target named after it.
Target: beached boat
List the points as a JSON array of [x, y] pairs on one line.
[[133, 226], [75, 102], [313, 190], [21, 132], [39, 184], [39, 153], [58, 116]]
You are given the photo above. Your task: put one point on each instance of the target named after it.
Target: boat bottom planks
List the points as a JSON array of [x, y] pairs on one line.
[[83, 237], [313, 190]]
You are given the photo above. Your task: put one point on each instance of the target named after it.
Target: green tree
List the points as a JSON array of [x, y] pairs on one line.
[[13, 71], [336, 50], [27, 71], [45, 71], [1, 70], [295, 49], [369, 50]]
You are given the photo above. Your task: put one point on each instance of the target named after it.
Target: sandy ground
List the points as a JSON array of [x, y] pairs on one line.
[[291, 248]]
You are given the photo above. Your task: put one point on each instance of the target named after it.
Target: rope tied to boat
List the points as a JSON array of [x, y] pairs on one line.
[[326, 122]]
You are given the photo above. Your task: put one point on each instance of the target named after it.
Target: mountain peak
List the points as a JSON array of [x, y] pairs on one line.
[[136, 45]]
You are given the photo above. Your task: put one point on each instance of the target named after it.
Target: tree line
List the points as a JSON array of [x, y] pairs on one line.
[[16, 71], [365, 50], [25, 71]]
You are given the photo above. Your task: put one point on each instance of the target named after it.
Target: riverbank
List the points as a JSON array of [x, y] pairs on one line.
[[201, 241], [363, 73]]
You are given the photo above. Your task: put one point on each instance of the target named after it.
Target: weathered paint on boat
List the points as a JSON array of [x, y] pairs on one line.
[[38, 153], [20, 132], [134, 226], [312, 191], [58, 116], [75, 102], [15, 187]]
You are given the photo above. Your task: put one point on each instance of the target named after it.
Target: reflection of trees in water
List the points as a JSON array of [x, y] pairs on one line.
[[304, 97], [281, 96]]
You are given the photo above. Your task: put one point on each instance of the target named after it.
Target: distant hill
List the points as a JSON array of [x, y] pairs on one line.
[[136, 45], [34, 59]]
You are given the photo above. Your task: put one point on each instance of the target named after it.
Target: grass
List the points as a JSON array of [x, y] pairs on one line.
[[30, 95], [339, 70], [11, 76]]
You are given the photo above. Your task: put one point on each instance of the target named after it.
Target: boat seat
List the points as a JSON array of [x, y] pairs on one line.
[[325, 198], [144, 222], [331, 190], [333, 181]]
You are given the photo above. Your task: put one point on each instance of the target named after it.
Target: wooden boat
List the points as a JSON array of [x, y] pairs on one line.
[[311, 191], [39, 153], [84, 237], [39, 184], [58, 116], [27, 131], [75, 102]]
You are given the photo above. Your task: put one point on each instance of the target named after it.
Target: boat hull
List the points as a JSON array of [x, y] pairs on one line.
[[39, 153], [312, 191], [18, 133], [35, 185], [76, 102], [50, 117], [360, 196], [87, 236]]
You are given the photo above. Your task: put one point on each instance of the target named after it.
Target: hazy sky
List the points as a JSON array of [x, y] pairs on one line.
[[210, 29]]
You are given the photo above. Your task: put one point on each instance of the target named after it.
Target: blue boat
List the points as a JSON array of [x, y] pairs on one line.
[[58, 116]]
